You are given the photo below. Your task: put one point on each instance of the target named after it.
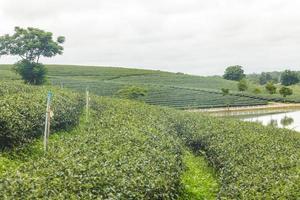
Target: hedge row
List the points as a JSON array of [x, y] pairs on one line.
[[127, 151], [22, 112], [254, 161]]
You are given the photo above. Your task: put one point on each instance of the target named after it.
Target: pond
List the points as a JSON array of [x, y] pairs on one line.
[[282, 118], [288, 119]]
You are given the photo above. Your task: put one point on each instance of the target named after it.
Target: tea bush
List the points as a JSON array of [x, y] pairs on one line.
[[11, 87], [23, 108], [126, 151]]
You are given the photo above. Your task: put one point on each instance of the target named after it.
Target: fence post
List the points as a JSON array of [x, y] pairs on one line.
[[47, 121], [87, 99]]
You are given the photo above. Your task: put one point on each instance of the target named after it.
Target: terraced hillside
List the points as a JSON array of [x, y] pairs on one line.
[[168, 89]]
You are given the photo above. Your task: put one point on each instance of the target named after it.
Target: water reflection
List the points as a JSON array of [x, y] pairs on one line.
[[286, 121], [290, 120]]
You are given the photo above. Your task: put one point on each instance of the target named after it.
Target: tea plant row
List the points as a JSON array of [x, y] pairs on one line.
[[23, 108]]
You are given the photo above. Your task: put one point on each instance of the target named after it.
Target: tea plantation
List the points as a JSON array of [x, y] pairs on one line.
[[131, 150], [164, 88]]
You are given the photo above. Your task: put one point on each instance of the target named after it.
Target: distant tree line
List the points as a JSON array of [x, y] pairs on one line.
[[268, 79], [286, 77]]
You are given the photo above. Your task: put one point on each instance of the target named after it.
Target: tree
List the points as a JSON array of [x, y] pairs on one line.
[[242, 85], [289, 77], [132, 92], [30, 45], [285, 91], [270, 87], [235, 73], [225, 92], [264, 78]]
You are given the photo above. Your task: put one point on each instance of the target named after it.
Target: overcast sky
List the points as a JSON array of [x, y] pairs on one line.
[[192, 36]]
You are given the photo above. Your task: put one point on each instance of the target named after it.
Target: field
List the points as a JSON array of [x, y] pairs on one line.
[[167, 89], [131, 150], [176, 90]]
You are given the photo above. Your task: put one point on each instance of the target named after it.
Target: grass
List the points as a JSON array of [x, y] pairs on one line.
[[199, 180]]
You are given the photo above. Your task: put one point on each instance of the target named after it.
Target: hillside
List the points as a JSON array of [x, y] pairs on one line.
[[164, 88], [131, 150]]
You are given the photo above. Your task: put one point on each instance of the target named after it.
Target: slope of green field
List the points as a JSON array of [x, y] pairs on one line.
[[115, 155], [131, 150], [167, 89]]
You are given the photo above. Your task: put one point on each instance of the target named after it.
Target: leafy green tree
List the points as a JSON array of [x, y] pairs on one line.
[[285, 91], [289, 77], [235, 73], [242, 85], [132, 92], [270, 87], [225, 92], [264, 78], [30, 45]]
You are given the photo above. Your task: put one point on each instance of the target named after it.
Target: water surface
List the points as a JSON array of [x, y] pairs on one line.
[[288, 119]]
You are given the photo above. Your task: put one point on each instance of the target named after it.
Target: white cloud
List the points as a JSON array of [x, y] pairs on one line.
[[193, 36]]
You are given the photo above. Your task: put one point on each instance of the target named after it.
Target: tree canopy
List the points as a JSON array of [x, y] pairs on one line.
[[235, 73], [289, 77], [270, 87], [242, 85], [285, 91], [264, 78], [30, 45]]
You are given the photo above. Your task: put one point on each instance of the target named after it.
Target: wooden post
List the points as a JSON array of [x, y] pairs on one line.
[[47, 121], [87, 99]]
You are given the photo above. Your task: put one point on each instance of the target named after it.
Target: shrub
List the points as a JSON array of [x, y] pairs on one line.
[[23, 114], [132, 92], [270, 87], [225, 91], [242, 85], [285, 91], [32, 73], [12, 87], [257, 91]]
